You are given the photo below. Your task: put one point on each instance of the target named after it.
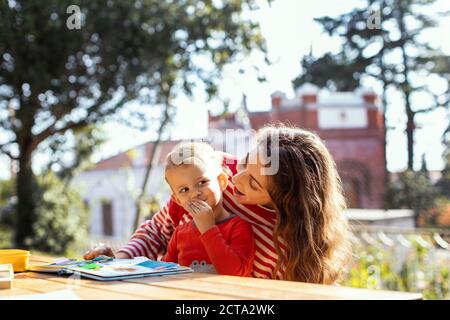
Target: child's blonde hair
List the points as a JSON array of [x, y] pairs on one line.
[[199, 153]]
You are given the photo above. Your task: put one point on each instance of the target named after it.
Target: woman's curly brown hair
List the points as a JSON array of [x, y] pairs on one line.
[[311, 234]]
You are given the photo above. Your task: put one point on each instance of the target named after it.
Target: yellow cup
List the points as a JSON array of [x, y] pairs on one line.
[[18, 258]]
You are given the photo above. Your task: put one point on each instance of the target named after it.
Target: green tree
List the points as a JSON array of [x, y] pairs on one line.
[[7, 200], [78, 145], [6, 192], [443, 185], [336, 72], [56, 79], [382, 40], [62, 217], [412, 190]]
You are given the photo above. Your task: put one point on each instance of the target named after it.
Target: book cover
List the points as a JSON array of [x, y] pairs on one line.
[[113, 269]]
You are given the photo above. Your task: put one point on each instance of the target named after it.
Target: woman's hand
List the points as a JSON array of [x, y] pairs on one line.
[[103, 250], [203, 215]]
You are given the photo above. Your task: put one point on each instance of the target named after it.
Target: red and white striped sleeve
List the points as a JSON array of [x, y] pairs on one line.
[[151, 238]]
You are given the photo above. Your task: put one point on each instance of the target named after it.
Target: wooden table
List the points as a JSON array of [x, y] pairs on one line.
[[190, 286]]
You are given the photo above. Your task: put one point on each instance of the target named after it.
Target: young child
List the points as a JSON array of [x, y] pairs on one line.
[[215, 241]]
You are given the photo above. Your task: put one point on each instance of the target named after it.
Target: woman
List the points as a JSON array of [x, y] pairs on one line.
[[288, 189]]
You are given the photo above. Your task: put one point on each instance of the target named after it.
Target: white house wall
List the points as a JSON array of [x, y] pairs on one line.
[[121, 187]]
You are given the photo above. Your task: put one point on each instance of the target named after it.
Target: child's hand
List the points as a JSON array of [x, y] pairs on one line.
[[102, 250], [203, 215]]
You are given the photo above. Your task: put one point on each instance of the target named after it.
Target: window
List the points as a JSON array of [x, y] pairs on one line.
[[107, 218]]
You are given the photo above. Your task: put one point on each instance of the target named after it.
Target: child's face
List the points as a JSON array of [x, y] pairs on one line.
[[191, 181]]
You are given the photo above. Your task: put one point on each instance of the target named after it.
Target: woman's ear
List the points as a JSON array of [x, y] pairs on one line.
[[223, 181]]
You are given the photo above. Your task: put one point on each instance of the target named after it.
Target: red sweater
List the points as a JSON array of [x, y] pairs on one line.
[[228, 246], [152, 237]]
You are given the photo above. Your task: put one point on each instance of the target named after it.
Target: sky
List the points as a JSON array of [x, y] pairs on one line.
[[290, 32]]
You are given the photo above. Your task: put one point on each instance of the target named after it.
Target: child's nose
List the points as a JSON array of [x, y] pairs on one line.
[[197, 193]]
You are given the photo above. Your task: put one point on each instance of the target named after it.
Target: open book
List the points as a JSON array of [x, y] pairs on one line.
[[112, 269]]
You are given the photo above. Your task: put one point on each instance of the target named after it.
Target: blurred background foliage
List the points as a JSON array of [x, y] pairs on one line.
[[416, 190], [62, 224], [416, 268]]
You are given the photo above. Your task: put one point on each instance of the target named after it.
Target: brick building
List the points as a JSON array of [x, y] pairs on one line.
[[351, 123]]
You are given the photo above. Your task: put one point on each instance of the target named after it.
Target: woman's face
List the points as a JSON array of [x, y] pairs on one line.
[[250, 185]]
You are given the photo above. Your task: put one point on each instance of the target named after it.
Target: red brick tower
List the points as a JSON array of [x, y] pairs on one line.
[[351, 123]]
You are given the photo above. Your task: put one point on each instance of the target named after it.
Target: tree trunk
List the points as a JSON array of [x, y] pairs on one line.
[[140, 199], [410, 127], [26, 206], [406, 86], [384, 102], [165, 120], [385, 128]]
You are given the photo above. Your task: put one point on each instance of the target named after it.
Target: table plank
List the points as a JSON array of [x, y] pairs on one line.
[[250, 288], [197, 285], [42, 283], [312, 291], [16, 291], [192, 286], [118, 289]]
